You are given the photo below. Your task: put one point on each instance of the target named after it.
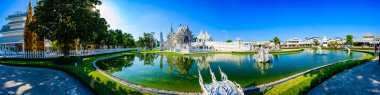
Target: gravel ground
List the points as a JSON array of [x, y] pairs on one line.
[[38, 81]]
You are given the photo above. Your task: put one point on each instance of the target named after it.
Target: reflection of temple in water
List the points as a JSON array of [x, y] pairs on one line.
[[203, 62], [262, 67]]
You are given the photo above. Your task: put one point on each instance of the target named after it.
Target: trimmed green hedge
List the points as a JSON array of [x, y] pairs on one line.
[[67, 61]]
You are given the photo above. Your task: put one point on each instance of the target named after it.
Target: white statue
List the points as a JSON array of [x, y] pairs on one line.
[[347, 48], [224, 87], [263, 55]]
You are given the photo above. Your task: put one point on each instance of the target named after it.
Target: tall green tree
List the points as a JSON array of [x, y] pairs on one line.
[[129, 41], [65, 21], [350, 39], [112, 38], [120, 37], [147, 41], [276, 40]]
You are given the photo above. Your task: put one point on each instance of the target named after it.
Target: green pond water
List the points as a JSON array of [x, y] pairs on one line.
[[180, 73]]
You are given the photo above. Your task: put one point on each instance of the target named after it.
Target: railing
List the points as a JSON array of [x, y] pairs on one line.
[[54, 54]]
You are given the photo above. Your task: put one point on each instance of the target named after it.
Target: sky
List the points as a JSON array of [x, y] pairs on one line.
[[250, 20]]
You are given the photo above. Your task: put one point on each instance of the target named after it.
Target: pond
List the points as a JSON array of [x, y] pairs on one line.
[[180, 73]]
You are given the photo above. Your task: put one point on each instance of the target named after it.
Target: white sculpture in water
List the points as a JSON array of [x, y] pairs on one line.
[[224, 87], [263, 55], [347, 48], [320, 51]]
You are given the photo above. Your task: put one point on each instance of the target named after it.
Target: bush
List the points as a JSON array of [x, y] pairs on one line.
[[67, 61]]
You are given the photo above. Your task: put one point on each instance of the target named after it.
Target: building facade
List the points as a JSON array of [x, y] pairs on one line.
[[367, 40], [12, 34], [15, 36]]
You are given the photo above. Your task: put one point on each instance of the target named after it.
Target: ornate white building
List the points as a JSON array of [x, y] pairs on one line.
[[203, 36], [180, 41], [12, 34]]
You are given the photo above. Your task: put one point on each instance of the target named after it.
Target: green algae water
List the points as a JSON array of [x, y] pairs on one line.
[[180, 73]]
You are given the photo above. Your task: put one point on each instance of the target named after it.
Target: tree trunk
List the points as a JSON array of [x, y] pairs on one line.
[[66, 50]]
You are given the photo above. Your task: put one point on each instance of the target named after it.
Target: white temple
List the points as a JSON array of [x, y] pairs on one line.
[[224, 87], [179, 41], [182, 41]]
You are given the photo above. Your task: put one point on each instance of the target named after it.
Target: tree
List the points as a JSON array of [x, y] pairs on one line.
[[349, 40], [120, 37], [316, 42], [128, 40], [229, 41], [276, 40], [65, 21], [334, 43], [147, 41], [112, 38]]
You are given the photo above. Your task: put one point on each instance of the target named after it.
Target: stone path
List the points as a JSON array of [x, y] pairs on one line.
[[38, 81], [361, 80]]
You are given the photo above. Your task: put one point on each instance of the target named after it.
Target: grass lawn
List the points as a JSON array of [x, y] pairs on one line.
[[302, 84], [85, 73]]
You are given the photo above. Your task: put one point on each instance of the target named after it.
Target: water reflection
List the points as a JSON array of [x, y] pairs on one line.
[[117, 64], [183, 64], [262, 67], [180, 72], [202, 63], [148, 58]]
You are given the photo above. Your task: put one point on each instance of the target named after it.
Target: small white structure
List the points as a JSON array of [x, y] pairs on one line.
[[263, 55], [347, 48], [224, 87], [325, 42]]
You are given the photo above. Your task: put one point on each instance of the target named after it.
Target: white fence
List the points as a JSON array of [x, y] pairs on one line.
[[54, 54]]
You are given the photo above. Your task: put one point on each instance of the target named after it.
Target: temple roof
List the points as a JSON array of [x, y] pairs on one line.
[[17, 14]]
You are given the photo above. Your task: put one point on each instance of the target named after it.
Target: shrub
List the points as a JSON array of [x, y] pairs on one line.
[[67, 61]]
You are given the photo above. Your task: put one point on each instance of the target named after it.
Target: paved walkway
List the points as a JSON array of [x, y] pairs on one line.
[[361, 80], [38, 81]]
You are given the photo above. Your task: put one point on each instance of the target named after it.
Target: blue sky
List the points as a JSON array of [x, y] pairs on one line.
[[251, 20]]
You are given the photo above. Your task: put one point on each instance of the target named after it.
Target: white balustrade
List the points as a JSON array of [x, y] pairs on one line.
[[54, 54]]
